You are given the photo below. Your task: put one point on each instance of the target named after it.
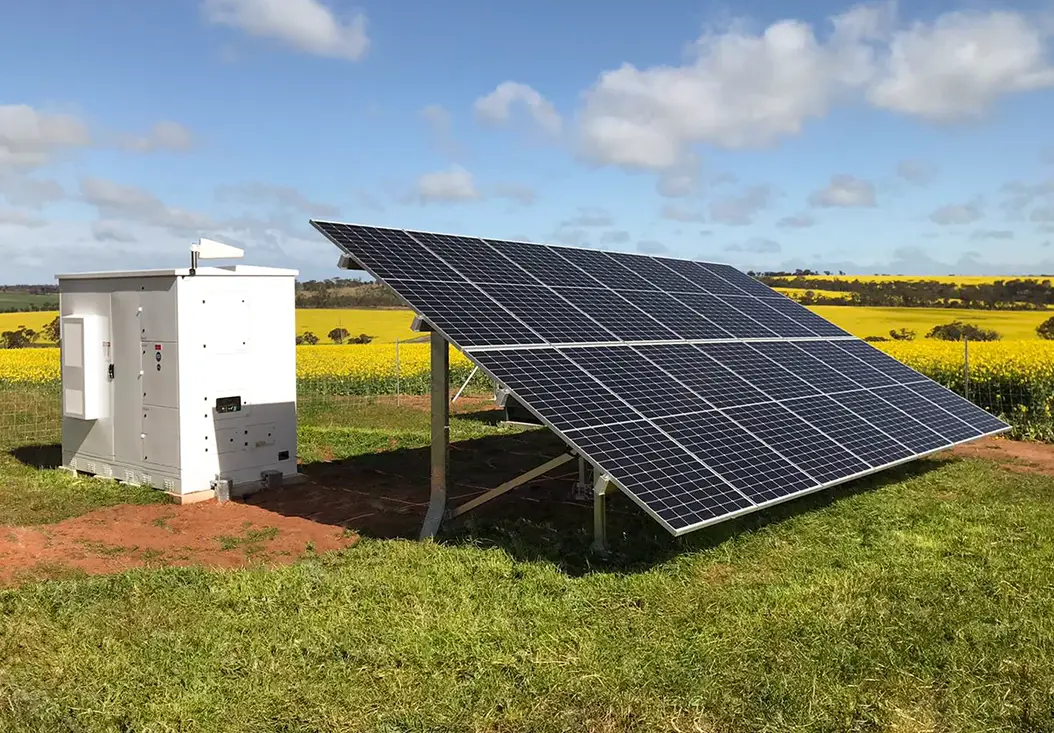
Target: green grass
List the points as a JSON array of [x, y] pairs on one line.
[[14, 299], [926, 604]]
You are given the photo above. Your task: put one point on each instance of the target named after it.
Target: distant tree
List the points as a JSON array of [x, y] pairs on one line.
[[957, 331], [362, 338], [903, 334], [20, 338], [874, 339], [52, 331], [1045, 330], [307, 338], [338, 335]]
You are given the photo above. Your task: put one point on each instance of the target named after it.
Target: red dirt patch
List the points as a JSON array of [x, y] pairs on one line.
[[1015, 455], [119, 538]]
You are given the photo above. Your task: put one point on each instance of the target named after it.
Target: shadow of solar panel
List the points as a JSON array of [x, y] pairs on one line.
[[475, 259], [737, 456], [927, 412], [700, 373], [554, 386], [616, 314], [547, 314], [848, 430], [961, 408], [388, 253], [681, 319], [768, 317], [464, 313], [545, 264], [805, 446], [660, 475]]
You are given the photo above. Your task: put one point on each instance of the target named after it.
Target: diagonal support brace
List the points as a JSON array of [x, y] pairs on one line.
[[511, 484]]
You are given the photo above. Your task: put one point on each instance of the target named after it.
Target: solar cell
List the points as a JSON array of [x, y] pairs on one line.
[[546, 380], [701, 374], [761, 373], [935, 417], [901, 427], [738, 457], [604, 268], [877, 360], [817, 455], [849, 430], [652, 270], [813, 371], [636, 381], [616, 314], [545, 264], [547, 314], [953, 403], [800, 314], [388, 253], [847, 364], [771, 318], [740, 279], [464, 313], [737, 323], [661, 475], [476, 260], [681, 319], [701, 276]]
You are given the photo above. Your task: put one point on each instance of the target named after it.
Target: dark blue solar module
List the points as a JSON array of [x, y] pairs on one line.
[[698, 390]]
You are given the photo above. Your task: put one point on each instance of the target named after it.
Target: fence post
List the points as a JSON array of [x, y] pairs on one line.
[[966, 367], [398, 375]]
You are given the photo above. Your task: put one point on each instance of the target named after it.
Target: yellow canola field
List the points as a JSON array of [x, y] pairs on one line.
[[867, 321], [386, 326], [947, 279]]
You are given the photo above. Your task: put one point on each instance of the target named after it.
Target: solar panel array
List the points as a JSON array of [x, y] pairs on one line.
[[701, 392]]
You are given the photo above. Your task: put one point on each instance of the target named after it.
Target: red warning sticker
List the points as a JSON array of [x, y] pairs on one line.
[[157, 347]]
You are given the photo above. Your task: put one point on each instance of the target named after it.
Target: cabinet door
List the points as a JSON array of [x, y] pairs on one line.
[[125, 353]]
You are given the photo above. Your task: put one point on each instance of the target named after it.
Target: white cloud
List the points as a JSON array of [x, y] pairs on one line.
[[954, 68], [24, 190], [453, 184], [651, 247], [118, 201], [678, 183], [756, 245], [952, 214], [797, 221], [741, 89], [674, 212], [589, 216], [981, 234], [437, 118], [495, 108], [284, 196], [517, 192], [740, 210], [164, 135], [16, 218], [111, 231], [844, 191], [917, 171], [578, 237], [306, 25], [29, 138], [1043, 213], [615, 236]]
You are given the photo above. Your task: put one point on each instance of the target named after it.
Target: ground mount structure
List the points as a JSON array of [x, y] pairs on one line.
[[698, 391]]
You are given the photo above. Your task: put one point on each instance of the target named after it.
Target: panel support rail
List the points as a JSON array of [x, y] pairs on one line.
[[511, 484]]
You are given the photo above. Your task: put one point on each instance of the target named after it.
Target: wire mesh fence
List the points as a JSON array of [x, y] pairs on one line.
[[1009, 380]]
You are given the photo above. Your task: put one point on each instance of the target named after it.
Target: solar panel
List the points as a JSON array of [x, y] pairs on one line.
[[699, 391]]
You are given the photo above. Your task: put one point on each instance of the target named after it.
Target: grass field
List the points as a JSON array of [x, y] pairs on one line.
[[919, 600]]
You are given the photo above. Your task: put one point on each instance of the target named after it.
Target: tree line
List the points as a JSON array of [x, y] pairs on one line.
[[1011, 294]]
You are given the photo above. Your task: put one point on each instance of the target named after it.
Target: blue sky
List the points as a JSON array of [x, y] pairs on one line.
[[861, 137]]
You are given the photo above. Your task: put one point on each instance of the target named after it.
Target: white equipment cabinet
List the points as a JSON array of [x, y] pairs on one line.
[[180, 379]]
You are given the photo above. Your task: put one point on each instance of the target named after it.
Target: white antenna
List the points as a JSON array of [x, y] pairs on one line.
[[209, 249]]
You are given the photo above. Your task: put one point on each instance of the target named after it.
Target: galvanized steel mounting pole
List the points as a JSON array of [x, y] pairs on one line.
[[600, 521], [440, 434]]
